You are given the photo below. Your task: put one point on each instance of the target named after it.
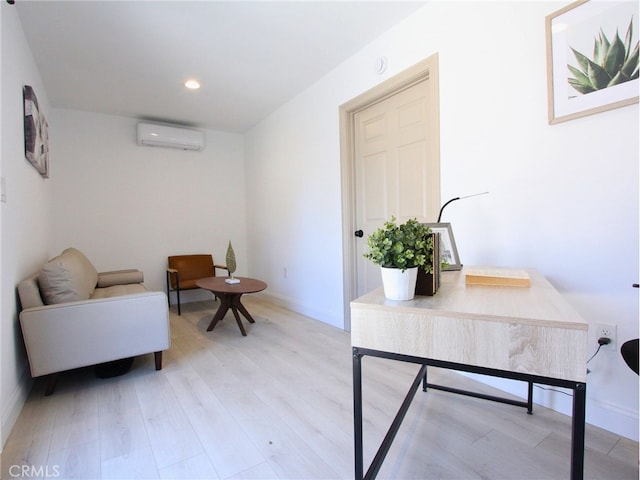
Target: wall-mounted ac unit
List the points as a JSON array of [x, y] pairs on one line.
[[171, 137]]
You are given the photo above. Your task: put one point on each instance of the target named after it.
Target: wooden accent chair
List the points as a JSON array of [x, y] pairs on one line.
[[184, 270]]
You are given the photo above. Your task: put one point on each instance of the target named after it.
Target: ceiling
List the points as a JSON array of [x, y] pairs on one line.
[[132, 58]]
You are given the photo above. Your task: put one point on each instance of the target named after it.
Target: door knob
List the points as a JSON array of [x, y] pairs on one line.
[[359, 233]]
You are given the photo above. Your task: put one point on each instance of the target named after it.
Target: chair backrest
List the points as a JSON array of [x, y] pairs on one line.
[[191, 267]]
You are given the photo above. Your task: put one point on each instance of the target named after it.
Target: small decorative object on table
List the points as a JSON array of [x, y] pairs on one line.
[[400, 250], [231, 264]]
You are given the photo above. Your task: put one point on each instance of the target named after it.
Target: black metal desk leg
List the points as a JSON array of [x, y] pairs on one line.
[[577, 431], [424, 380], [372, 472], [357, 413]]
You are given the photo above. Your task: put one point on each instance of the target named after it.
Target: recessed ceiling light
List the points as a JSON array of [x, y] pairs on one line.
[[192, 84]]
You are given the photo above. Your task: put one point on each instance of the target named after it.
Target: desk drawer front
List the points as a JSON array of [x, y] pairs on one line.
[[543, 350]]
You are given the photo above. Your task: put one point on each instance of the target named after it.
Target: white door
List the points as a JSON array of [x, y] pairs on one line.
[[397, 168]]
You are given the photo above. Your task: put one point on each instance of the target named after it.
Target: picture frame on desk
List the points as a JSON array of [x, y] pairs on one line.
[[448, 249]]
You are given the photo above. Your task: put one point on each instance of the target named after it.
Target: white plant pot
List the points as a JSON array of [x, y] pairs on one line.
[[399, 285]]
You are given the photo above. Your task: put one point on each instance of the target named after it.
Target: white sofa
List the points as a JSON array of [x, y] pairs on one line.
[[72, 316]]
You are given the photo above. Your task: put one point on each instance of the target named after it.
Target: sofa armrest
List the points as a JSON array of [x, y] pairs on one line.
[[76, 334], [29, 292], [119, 277]]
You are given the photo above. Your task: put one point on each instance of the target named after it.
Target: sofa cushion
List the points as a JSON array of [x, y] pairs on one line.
[[69, 277], [118, 290]]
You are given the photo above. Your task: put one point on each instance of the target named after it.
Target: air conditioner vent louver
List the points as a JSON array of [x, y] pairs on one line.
[[169, 137]]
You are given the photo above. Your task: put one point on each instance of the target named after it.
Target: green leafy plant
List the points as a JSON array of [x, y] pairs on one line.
[[613, 63], [401, 246]]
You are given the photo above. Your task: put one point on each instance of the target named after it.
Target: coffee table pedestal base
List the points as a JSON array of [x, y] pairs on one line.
[[231, 301]]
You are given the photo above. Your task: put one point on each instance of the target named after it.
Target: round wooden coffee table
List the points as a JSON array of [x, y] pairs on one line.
[[229, 294]]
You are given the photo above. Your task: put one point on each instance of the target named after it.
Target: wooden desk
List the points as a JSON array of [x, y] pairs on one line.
[[230, 294], [524, 333]]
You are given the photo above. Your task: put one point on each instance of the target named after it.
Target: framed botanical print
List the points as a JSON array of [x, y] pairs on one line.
[[592, 58]]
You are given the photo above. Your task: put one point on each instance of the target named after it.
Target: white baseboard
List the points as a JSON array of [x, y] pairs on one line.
[[18, 398], [320, 315], [612, 418], [599, 414]]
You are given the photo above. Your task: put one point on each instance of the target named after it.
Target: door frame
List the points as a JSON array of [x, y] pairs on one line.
[[427, 69]]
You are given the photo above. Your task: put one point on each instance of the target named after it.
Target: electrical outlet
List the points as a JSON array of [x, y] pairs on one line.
[[607, 330], [284, 272]]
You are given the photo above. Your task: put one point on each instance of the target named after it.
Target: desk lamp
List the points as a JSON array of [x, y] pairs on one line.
[[448, 242], [457, 198]]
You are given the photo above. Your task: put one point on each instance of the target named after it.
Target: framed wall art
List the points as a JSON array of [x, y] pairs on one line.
[[36, 133], [592, 58], [448, 249]]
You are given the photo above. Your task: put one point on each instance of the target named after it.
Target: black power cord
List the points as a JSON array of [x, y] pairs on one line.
[[601, 341]]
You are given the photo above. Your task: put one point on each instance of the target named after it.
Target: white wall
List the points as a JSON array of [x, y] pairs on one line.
[[293, 209], [26, 217], [130, 206], [564, 198]]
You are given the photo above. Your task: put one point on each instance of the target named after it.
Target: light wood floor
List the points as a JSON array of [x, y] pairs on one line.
[[278, 404]]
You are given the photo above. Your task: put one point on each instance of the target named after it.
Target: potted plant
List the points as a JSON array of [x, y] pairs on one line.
[[400, 250]]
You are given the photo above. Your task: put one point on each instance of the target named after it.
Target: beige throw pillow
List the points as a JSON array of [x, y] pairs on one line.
[[69, 277]]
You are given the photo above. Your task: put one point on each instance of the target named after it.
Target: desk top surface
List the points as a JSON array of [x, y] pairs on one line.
[[539, 303]]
